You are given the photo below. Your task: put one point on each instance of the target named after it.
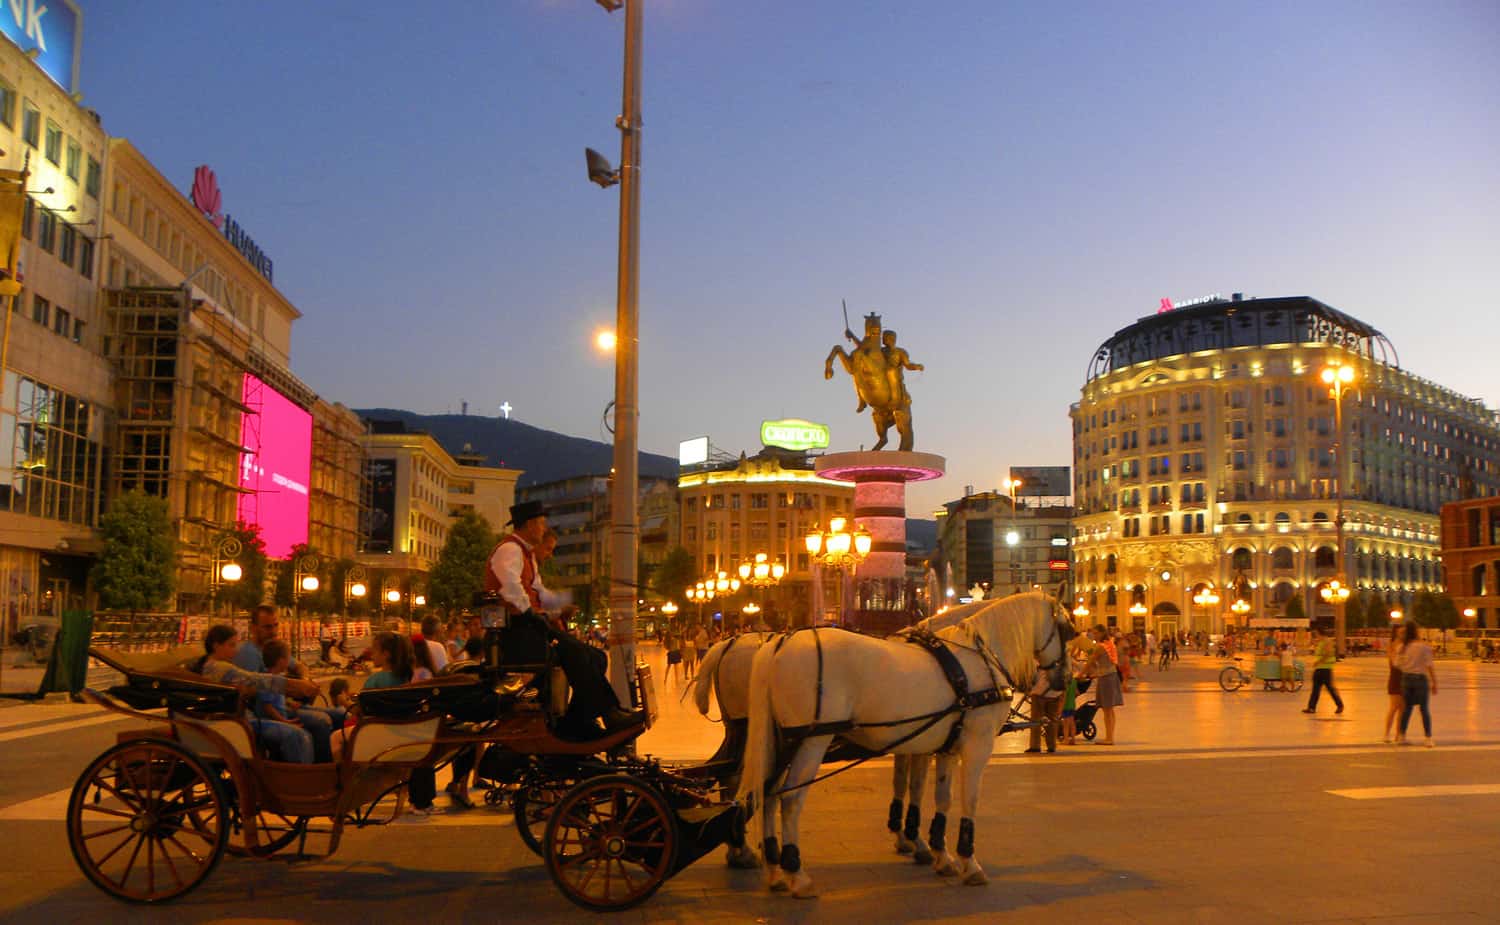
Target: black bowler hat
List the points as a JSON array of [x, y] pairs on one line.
[[526, 510]]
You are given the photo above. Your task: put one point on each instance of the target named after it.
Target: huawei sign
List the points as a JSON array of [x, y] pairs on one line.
[[205, 194]]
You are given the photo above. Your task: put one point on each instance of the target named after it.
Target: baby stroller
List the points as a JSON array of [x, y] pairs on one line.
[[1084, 710]]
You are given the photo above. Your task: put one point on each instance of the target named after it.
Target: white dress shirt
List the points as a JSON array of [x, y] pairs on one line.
[[508, 562]]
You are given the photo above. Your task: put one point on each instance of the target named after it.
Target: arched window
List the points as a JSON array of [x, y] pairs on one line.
[[1109, 565], [1281, 557], [1138, 594], [1320, 517], [1324, 558], [1243, 519], [1283, 520], [1109, 596], [1282, 593], [1240, 559]]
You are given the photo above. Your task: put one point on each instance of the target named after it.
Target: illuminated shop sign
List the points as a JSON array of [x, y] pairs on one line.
[[1167, 304], [206, 196], [794, 434], [51, 30]]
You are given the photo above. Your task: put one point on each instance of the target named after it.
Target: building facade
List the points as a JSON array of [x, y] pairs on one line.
[[983, 541], [55, 399], [578, 511], [763, 503], [1204, 454], [416, 490], [1471, 559], [338, 490]]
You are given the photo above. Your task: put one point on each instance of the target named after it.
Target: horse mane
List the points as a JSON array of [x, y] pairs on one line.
[[1008, 627]]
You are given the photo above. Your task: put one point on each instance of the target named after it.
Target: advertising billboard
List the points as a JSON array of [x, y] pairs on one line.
[[1043, 481], [692, 452], [794, 434], [275, 467], [380, 517], [50, 31]]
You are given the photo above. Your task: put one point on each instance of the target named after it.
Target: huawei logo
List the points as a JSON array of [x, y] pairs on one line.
[[205, 194]]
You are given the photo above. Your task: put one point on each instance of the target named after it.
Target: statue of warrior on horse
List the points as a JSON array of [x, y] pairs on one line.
[[878, 368]]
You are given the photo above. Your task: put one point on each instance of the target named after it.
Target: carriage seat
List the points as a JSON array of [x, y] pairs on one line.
[[460, 696]]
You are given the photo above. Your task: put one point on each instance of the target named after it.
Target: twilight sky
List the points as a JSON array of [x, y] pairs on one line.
[[1007, 183]]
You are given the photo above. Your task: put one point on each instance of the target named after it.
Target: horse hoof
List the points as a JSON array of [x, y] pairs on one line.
[[903, 846], [743, 858], [777, 882], [802, 886], [976, 878], [922, 856], [945, 869]]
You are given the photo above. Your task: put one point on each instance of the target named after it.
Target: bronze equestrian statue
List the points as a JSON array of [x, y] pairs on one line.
[[878, 368]]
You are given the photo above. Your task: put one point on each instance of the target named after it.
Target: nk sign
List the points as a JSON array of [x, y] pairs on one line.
[[794, 434], [51, 30]]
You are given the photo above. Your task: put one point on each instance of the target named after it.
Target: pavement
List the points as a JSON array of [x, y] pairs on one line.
[[1213, 807]]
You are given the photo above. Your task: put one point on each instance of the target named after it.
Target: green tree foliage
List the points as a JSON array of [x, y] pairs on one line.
[[250, 590], [137, 568], [1436, 611], [459, 571], [676, 573], [1294, 608]]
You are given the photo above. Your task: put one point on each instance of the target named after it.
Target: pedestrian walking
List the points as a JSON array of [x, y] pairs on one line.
[[1418, 681], [1393, 682], [1325, 657], [1106, 673], [689, 654]]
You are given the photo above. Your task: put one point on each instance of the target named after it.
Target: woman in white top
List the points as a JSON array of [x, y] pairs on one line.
[[1418, 681]]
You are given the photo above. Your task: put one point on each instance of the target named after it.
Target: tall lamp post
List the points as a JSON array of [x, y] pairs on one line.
[[623, 525], [355, 589], [762, 573], [304, 581], [840, 550], [1336, 375], [1206, 597], [700, 594], [225, 569]]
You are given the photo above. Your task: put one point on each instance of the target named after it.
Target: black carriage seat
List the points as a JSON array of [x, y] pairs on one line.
[[179, 691]]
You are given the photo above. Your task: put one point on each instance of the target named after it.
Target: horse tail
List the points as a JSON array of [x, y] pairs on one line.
[[760, 745], [703, 681]]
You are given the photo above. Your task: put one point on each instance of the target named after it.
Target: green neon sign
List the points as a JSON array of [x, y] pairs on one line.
[[794, 434]]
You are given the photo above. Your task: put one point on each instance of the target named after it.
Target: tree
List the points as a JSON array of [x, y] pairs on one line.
[[250, 590], [459, 571], [137, 569], [676, 573], [1434, 610], [1294, 608]]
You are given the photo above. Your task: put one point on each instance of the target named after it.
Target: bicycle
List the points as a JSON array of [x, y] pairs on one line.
[[1233, 677]]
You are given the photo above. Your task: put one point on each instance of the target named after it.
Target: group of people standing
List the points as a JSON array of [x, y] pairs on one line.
[[685, 647], [1410, 683]]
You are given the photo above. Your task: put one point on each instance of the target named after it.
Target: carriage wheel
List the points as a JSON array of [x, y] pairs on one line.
[[611, 843], [145, 821], [533, 804], [1230, 679], [273, 832]]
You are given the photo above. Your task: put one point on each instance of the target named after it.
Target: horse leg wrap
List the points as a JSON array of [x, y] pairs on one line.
[[791, 859], [772, 850], [913, 823], [966, 838], [937, 832], [893, 821]]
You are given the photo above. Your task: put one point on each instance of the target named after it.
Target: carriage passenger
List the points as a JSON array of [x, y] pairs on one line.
[[293, 743]]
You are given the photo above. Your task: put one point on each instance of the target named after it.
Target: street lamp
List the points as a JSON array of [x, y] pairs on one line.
[[1206, 597], [1081, 611], [225, 570], [1336, 376], [354, 589], [1334, 592], [840, 550], [304, 581], [624, 516], [1396, 614], [762, 573]]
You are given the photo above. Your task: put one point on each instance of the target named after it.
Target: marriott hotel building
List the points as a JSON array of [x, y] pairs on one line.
[[1204, 453]]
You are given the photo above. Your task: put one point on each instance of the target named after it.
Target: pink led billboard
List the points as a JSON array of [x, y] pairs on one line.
[[275, 467]]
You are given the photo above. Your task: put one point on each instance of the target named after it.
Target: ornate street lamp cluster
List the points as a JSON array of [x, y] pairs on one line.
[[839, 549]]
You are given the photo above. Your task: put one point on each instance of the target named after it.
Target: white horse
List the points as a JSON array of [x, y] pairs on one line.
[[724, 675], [890, 696]]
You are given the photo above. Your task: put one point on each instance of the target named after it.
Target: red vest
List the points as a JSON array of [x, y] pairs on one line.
[[528, 574]]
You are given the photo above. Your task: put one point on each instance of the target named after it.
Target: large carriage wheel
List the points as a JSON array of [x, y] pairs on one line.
[[145, 821], [533, 805], [611, 843]]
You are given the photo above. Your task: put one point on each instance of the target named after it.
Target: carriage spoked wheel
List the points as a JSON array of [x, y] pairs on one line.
[[146, 822], [611, 842], [533, 805], [273, 832]]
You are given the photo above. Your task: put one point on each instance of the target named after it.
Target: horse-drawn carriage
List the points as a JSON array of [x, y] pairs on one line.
[[151, 817]]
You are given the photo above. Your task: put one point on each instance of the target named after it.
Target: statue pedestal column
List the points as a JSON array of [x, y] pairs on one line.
[[882, 602]]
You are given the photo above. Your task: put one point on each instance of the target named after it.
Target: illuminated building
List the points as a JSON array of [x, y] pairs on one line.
[[338, 486], [975, 545], [417, 488], [763, 503], [55, 396], [1471, 559], [1204, 454]]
